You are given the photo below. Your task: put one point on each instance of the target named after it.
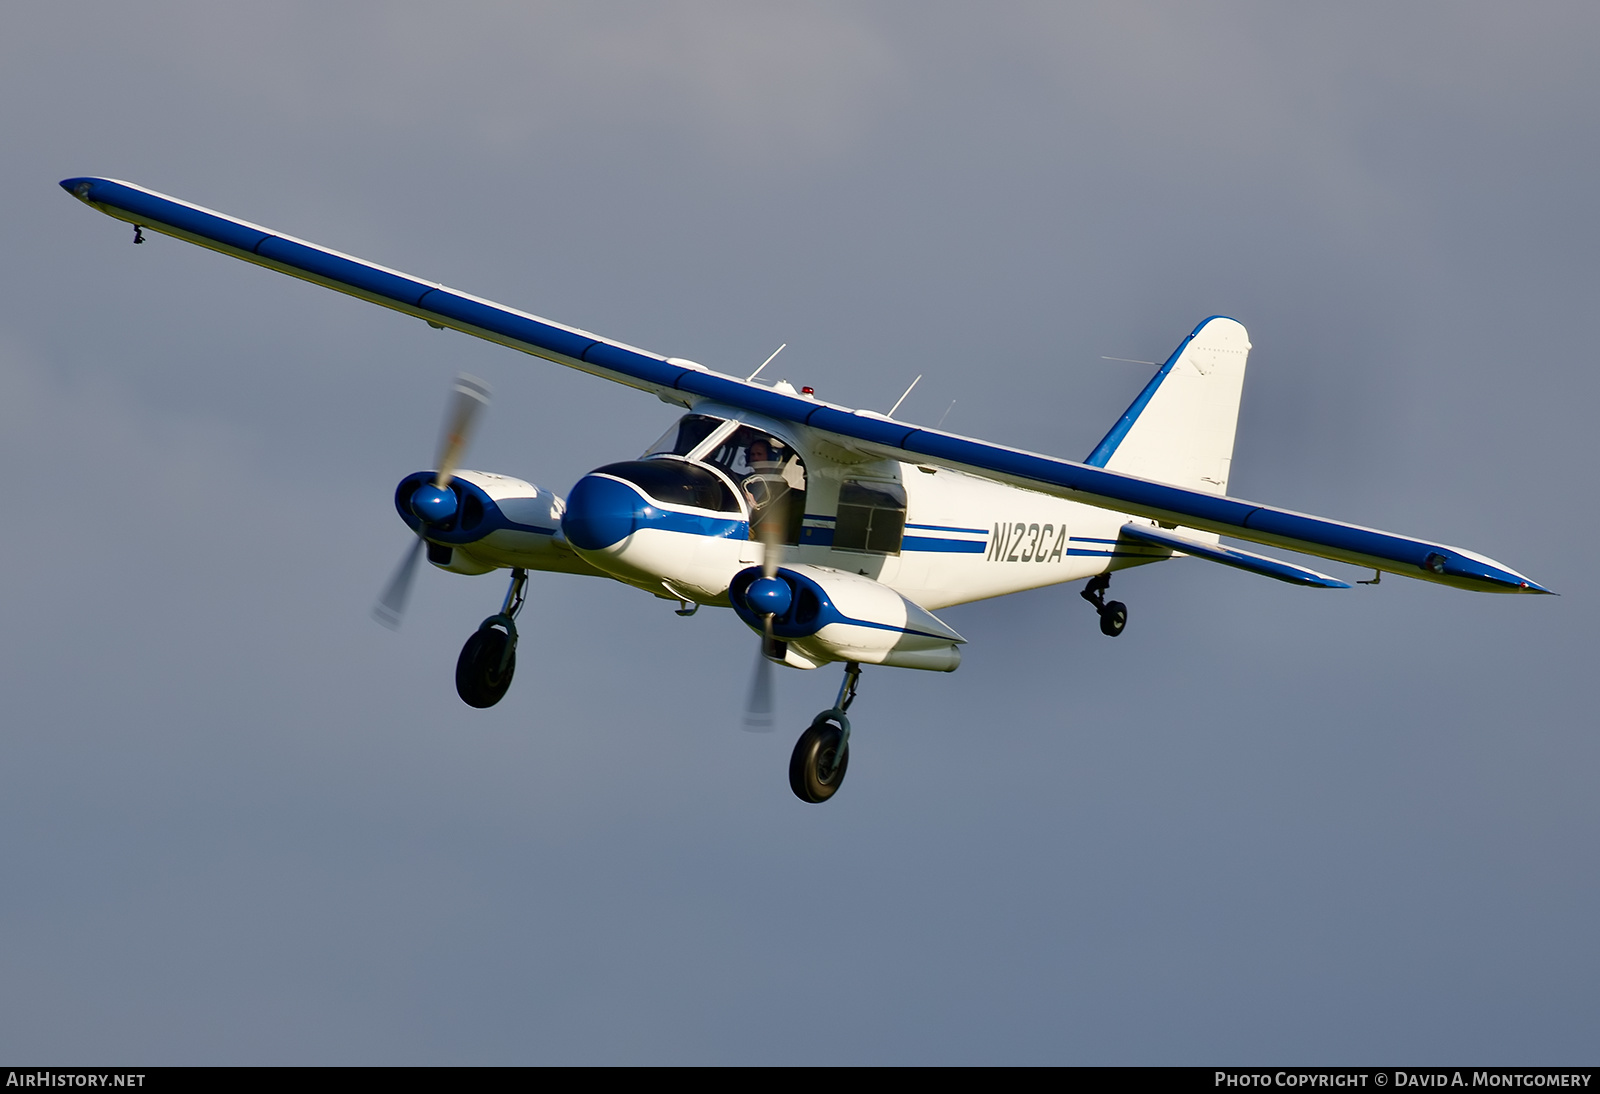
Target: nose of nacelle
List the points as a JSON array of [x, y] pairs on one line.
[[769, 596], [433, 504], [602, 512], [448, 512]]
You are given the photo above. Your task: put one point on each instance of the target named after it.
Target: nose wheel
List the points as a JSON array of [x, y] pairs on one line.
[[1114, 613], [822, 755], [489, 658]]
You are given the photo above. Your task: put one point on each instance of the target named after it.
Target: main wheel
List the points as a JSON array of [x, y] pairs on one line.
[[818, 765], [1113, 617], [479, 679]]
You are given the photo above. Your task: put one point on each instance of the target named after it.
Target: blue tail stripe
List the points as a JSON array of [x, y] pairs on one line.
[[1108, 444]]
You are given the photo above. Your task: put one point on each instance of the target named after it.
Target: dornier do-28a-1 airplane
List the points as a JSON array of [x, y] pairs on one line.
[[832, 533]]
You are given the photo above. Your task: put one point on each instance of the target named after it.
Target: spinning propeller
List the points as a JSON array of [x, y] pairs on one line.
[[435, 503], [770, 596]]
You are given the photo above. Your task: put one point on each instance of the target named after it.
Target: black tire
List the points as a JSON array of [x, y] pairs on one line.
[[1113, 617], [813, 754], [479, 681]]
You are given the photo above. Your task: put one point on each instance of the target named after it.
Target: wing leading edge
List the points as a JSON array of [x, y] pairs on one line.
[[686, 383]]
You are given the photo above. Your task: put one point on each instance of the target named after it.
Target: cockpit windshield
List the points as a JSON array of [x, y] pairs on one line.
[[684, 435], [767, 470]]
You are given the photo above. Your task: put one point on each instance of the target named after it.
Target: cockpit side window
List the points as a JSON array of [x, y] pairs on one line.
[[772, 477], [685, 435]]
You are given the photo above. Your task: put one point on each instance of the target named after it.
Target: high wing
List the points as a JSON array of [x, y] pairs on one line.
[[685, 382]]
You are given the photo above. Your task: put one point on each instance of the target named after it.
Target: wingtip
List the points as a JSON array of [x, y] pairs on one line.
[[1523, 585], [79, 187], [1520, 584]]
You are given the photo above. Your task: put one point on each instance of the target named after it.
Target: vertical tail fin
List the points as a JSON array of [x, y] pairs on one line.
[[1180, 428]]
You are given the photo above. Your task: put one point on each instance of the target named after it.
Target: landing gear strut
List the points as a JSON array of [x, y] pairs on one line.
[[1113, 616], [488, 660], [821, 756]]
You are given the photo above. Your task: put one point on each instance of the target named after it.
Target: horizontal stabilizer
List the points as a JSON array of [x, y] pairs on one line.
[[1232, 556]]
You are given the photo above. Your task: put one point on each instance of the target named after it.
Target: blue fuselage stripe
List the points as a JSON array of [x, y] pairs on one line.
[[943, 546], [947, 528], [1113, 554]]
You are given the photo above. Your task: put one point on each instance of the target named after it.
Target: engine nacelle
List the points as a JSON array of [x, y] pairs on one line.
[[483, 521], [834, 615]]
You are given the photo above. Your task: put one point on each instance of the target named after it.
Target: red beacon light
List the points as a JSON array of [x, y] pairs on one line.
[[808, 392]]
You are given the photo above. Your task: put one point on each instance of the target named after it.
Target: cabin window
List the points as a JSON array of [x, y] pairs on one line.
[[685, 435], [871, 517]]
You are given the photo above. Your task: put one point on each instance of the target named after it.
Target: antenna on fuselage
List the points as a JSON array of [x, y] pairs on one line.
[[946, 414], [764, 364], [1126, 360], [902, 398]]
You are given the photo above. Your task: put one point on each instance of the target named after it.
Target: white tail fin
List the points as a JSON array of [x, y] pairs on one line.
[[1180, 428]]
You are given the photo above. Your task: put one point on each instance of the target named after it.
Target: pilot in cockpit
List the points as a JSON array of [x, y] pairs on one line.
[[759, 456], [765, 472], [767, 475]]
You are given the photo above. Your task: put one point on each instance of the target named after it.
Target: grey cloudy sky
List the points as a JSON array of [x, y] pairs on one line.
[[241, 823]]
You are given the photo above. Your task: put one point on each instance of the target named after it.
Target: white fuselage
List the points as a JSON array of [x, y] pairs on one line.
[[964, 538]]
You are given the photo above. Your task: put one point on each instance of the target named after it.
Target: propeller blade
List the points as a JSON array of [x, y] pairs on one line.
[[758, 703], [771, 523], [471, 395], [392, 604]]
